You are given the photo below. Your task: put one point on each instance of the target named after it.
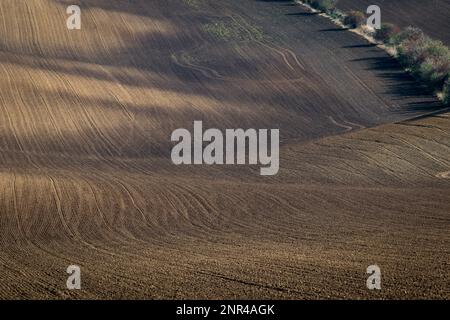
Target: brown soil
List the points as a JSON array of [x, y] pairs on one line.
[[86, 178], [432, 16]]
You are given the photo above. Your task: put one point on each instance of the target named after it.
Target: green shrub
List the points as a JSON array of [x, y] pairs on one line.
[[411, 51], [354, 19], [386, 32], [428, 59], [433, 73], [323, 5], [415, 51], [337, 14], [436, 50], [446, 92], [408, 34]]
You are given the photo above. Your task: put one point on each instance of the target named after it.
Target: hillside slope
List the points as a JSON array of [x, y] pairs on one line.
[[86, 177], [432, 16]]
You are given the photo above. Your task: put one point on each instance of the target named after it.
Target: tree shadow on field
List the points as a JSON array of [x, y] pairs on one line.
[[368, 45], [407, 96], [334, 29], [141, 68], [160, 47], [401, 84], [302, 14], [131, 71]]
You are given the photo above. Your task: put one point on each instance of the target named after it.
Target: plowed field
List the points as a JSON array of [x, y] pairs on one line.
[[432, 16], [86, 176]]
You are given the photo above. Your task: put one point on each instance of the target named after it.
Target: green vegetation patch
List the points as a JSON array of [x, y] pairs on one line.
[[446, 93], [233, 29], [354, 19], [427, 59], [322, 5]]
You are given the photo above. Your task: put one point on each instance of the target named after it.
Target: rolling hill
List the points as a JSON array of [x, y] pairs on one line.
[[86, 176]]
